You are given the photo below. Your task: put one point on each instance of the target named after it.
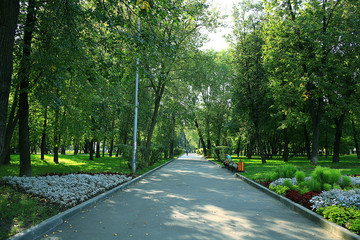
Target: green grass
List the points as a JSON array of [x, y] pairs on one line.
[[19, 210], [255, 170]]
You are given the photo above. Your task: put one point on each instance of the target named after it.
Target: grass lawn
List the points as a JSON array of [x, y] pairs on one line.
[[255, 170], [19, 210]]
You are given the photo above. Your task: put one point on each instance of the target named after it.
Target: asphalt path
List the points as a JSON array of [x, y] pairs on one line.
[[190, 198]]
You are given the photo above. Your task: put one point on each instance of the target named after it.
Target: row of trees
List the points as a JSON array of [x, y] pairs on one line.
[[289, 85], [297, 75], [73, 75]]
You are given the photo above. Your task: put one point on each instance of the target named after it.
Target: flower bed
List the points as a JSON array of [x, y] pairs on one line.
[[67, 190], [326, 192]]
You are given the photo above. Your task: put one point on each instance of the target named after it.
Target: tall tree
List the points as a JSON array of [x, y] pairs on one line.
[[9, 11]]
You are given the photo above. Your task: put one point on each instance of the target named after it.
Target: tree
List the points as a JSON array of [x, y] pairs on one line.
[[9, 11], [251, 80]]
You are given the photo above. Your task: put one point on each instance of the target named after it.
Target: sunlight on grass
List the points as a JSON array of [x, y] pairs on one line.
[[254, 169], [67, 164]]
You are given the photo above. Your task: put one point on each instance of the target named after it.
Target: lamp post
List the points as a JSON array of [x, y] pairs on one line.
[[136, 107]]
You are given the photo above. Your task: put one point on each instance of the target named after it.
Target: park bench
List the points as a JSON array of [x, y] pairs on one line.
[[234, 167]]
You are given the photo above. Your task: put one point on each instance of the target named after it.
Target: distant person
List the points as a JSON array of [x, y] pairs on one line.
[[187, 152]]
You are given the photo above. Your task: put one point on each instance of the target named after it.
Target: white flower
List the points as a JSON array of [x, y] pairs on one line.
[[69, 189]]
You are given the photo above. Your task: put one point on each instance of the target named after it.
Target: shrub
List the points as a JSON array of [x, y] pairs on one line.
[[178, 151], [281, 190], [286, 171], [307, 197], [327, 187], [300, 176], [314, 185], [337, 197], [220, 152], [294, 195], [326, 176], [287, 183], [155, 155], [343, 216], [345, 182]]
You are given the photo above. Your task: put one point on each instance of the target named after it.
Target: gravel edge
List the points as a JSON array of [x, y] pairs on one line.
[[49, 224]]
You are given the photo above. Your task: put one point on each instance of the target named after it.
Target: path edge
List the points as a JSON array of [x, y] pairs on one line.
[[314, 217], [51, 223], [321, 221]]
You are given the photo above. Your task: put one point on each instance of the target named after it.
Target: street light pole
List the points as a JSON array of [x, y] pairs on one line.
[[136, 107]]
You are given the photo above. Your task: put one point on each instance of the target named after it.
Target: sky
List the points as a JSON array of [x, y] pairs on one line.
[[217, 41]]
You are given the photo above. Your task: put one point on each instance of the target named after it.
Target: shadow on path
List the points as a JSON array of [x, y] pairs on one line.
[[189, 198]]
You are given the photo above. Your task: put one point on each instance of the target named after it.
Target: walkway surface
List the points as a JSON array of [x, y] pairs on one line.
[[190, 198]]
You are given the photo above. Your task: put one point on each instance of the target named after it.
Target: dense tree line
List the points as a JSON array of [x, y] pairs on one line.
[[73, 79], [296, 87]]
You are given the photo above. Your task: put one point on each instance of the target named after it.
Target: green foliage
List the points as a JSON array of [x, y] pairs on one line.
[[155, 155], [343, 216], [220, 152], [23, 210], [327, 187], [287, 171], [281, 190], [178, 151], [288, 183], [346, 182], [315, 185], [304, 189], [300, 176], [324, 175]]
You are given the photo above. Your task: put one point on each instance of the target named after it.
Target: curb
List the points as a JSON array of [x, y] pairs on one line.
[[45, 226], [327, 225]]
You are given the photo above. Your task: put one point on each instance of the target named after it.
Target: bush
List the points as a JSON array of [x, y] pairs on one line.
[[343, 216], [220, 152], [294, 195], [300, 176], [288, 183], [307, 197], [314, 185], [337, 197], [284, 172], [345, 182], [178, 151], [155, 155], [281, 190], [326, 176]]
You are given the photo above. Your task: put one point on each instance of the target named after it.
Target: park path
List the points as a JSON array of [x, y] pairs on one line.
[[190, 198]]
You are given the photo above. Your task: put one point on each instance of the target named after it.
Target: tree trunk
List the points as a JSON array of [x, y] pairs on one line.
[[238, 146], [307, 142], [355, 139], [260, 145], [172, 135], [76, 149], [56, 137], [326, 145], [92, 149], [286, 143], [24, 72], [158, 95], [117, 152], [103, 150], [339, 122], [43, 137], [12, 121], [97, 149], [9, 11], [111, 149], [201, 138], [316, 118]]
